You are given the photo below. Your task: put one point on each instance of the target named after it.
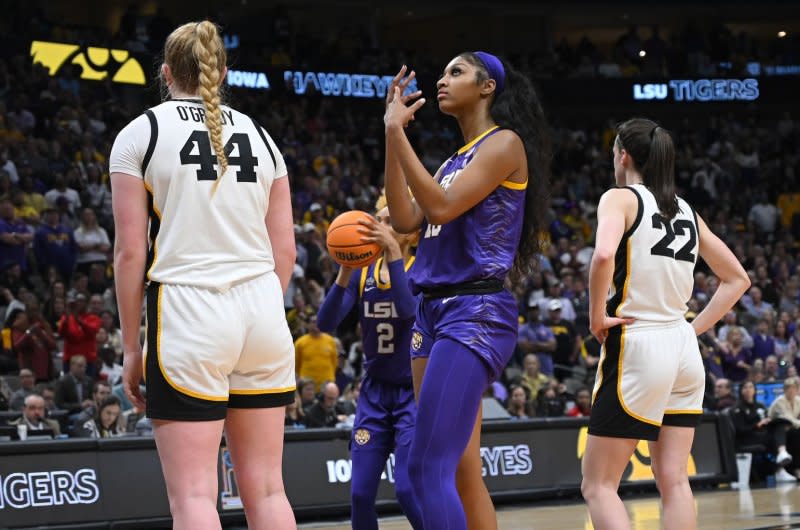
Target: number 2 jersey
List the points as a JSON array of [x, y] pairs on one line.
[[654, 263], [386, 314], [195, 238]]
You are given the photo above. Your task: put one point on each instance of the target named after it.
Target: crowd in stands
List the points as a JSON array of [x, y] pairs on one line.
[[61, 344]]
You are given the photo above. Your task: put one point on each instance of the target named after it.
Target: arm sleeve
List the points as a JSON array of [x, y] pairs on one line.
[[404, 301], [129, 148], [337, 304]]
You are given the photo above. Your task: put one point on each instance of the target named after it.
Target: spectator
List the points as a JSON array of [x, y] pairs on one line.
[[763, 216], [564, 303], [756, 306], [785, 343], [109, 370], [323, 413], [519, 404], [27, 382], [33, 344], [316, 355], [549, 403], [79, 329], [723, 394], [54, 245], [763, 342], [101, 390], [104, 424], [537, 339], [772, 370], [583, 404], [109, 323], [68, 196], [730, 322], [48, 393], [785, 411], [92, 240], [306, 391], [754, 427], [343, 379], [736, 359], [15, 237], [33, 416], [565, 355], [532, 379], [73, 389], [295, 417]]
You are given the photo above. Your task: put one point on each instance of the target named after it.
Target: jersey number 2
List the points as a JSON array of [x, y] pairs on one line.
[[207, 160], [385, 337], [677, 227]]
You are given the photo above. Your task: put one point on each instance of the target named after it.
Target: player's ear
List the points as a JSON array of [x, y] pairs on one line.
[[224, 74], [166, 74]]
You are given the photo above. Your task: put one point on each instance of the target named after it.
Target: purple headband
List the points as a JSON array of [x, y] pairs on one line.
[[495, 68]]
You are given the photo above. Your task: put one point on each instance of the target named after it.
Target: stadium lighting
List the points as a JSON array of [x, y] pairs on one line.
[[781, 34], [642, 53]]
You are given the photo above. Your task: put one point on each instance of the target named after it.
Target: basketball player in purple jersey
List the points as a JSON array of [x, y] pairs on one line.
[[386, 410], [480, 217]]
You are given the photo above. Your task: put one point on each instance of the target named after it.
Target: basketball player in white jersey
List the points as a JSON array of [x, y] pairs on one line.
[[205, 188], [651, 379]]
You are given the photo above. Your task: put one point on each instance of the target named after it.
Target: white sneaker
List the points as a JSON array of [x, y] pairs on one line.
[[784, 476], [783, 458]]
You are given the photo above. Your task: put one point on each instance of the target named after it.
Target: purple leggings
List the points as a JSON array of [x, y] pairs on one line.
[[451, 394]]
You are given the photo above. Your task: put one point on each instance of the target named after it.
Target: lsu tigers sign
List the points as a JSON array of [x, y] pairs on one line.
[[97, 64]]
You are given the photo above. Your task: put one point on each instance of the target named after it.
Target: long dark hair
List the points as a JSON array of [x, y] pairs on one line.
[[518, 108], [653, 153]]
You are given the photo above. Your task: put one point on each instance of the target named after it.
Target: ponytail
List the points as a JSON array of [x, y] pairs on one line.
[[518, 108], [196, 56], [653, 153]]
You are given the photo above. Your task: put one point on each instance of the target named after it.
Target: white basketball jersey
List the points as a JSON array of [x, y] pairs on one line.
[[654, 265], [196, 238]]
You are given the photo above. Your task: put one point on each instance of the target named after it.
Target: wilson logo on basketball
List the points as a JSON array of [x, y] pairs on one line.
[[352, 256]]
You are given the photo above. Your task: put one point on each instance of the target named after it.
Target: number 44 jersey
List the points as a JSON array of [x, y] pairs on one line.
[[654, 263], [199, 235]]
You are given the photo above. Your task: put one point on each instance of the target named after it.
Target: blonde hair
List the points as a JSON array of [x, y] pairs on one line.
[[382, 203], [196, 57]]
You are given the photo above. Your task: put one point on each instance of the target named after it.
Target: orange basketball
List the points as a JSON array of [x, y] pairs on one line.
[[344, 241]]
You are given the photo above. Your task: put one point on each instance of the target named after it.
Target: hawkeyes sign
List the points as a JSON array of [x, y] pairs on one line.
[[97, 64]]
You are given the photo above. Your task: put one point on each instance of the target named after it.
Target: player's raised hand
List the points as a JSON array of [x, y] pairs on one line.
[[397, 113], [374, 231], [402, 81]]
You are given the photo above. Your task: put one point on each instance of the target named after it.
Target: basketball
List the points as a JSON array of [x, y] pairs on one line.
[[344, 241]]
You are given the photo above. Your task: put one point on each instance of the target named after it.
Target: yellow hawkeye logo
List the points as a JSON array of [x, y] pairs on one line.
[[97, 64]]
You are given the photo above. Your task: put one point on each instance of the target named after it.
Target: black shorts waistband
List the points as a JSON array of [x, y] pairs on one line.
[[489, 286]]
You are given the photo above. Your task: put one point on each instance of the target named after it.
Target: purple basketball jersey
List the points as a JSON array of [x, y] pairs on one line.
[[479, 244], [386, 338]]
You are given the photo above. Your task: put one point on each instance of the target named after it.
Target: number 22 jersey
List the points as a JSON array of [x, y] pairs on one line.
[[196, 238], [654, 263]]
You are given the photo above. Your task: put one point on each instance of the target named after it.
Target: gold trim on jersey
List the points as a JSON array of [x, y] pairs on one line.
[[259, 392], [376, 272], [363, 280], [476, 140], [515, 185], [169, 381], [628, 411], [688, 411]]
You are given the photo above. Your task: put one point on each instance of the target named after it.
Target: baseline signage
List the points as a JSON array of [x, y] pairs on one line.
[[69, 482]]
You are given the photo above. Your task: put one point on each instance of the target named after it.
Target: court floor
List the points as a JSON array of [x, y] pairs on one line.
[[749, 509]]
